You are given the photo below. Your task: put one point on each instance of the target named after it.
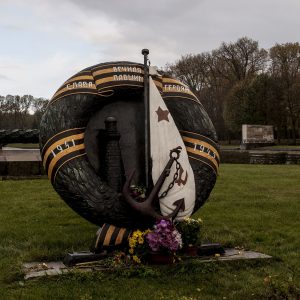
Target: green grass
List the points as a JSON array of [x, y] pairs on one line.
[[252, 206]]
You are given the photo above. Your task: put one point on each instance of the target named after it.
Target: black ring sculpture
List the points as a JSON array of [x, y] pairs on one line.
[[95, 93]]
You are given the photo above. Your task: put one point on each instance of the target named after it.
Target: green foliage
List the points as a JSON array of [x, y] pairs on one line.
[[241, 83], [21, 112], [285, 67], [190, 231], [138, 246], [252, 206], [255, 101]]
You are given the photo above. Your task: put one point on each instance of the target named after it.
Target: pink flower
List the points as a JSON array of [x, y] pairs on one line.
[[164, 237]]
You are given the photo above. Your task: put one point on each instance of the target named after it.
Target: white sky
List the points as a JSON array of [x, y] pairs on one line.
[[43, 42]]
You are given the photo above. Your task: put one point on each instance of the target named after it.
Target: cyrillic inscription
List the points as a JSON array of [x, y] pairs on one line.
[[80, 85]]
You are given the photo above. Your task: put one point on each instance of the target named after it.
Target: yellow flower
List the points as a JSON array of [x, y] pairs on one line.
[[132, 243], [135, 239], [136, 259], [137, 233]]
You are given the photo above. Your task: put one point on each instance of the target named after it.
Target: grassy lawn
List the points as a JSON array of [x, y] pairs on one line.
[[252, 206]]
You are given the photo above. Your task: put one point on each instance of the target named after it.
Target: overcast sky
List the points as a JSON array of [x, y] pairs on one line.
[[43, 42]]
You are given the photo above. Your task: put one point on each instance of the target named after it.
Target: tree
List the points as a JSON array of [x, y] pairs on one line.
[[38, 106], [285, 68], [192, 70], [292, 98], [211, 76], [240, 60], [21, 112], [195, 71], [255, 101]]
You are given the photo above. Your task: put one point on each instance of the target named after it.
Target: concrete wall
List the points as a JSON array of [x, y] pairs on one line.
[[259, 157], [21, 169]]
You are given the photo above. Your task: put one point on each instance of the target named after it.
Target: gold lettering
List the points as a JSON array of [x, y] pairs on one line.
[[128, 69]]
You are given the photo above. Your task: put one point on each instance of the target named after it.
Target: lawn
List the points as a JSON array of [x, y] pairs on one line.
[[252, 206]]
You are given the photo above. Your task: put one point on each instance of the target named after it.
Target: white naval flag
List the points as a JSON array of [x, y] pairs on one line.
[[164, 136]]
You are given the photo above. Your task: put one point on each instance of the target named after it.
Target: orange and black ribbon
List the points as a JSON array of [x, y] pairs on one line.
[[202, 148], [61, 148], [81, 83], [175, 89], [111, 236], [114, 75]]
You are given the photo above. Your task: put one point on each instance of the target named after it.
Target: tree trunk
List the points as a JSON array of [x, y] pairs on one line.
[[228, 137], [278, 135], [294, 132]]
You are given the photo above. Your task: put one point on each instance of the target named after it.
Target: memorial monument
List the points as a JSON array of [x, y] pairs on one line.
[[120, 125], [257, 136]]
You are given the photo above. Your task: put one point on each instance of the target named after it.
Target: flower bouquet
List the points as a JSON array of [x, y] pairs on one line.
[[190, 232], [155, 246], [138, 247], [163, 241]]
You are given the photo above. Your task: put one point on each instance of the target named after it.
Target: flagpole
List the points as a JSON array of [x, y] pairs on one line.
[[145, 52]]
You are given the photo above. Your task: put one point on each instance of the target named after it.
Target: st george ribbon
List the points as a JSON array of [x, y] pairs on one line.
[[164, 136]]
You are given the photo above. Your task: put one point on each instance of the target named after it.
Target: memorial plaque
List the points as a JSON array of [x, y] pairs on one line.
[[257, 134]]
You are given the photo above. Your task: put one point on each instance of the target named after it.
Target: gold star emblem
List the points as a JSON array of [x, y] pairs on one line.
[[162, 114]]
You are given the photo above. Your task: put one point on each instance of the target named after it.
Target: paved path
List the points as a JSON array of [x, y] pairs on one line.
[[40, 269], [16, 154]]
